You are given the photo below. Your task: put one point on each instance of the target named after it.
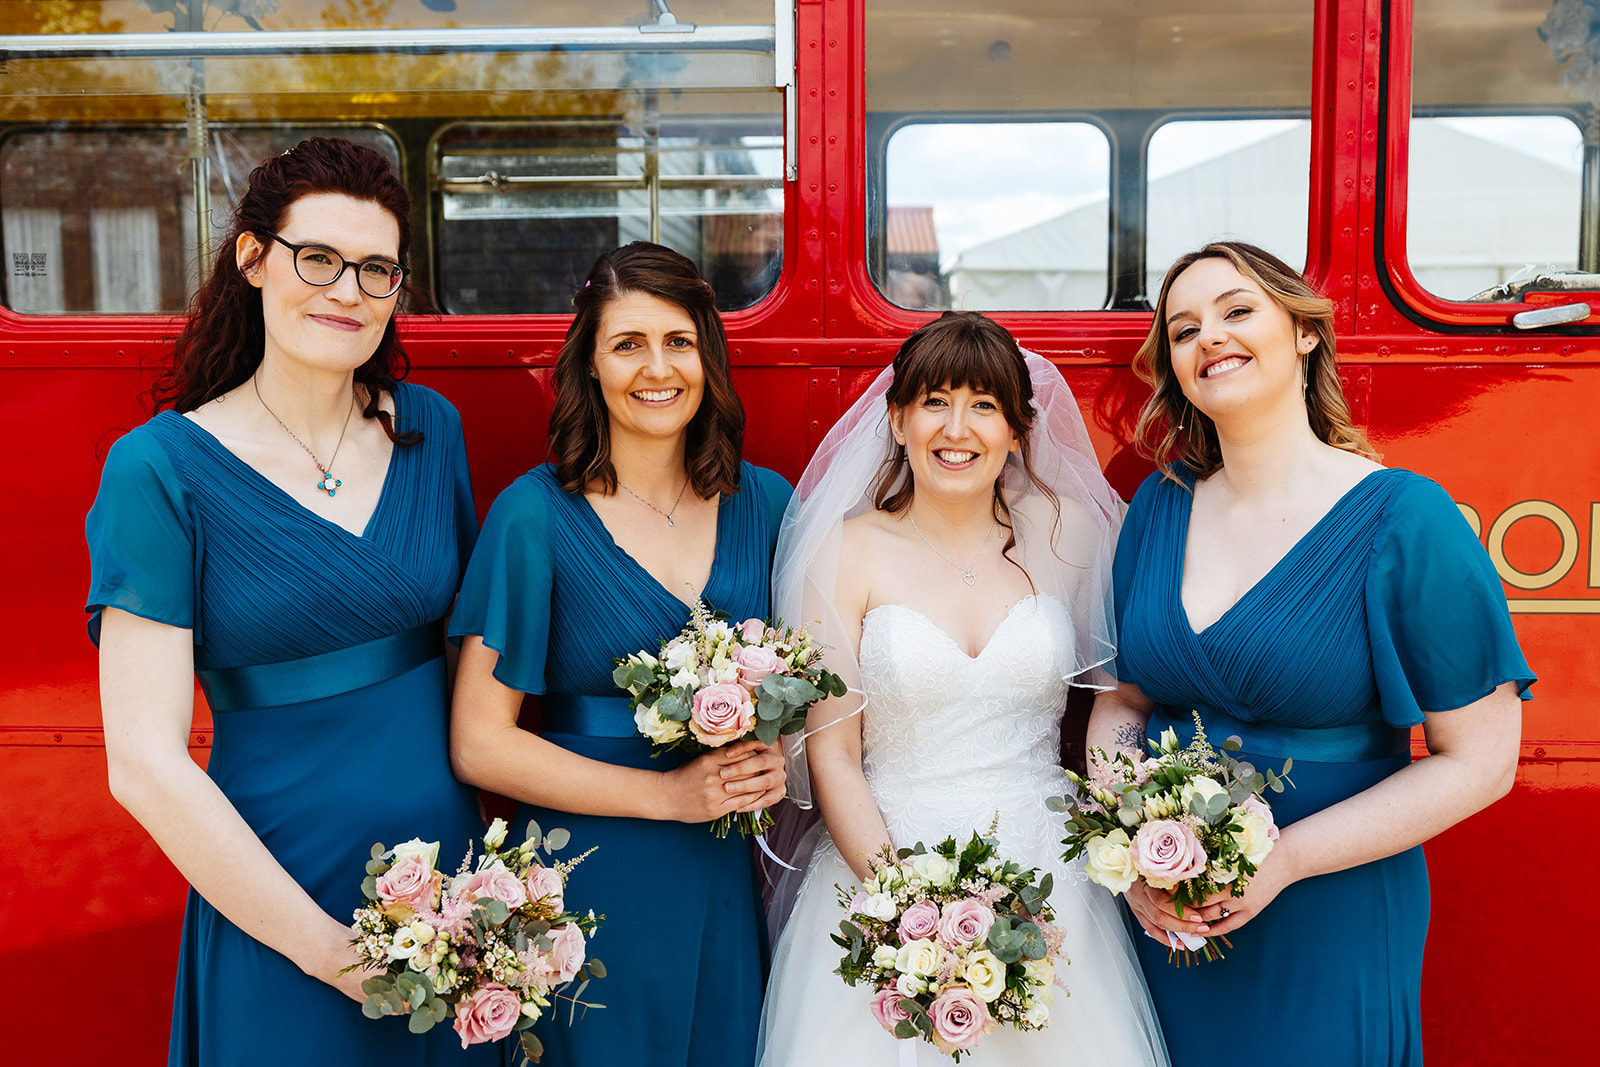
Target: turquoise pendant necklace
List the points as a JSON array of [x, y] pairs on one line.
[[329, 483]]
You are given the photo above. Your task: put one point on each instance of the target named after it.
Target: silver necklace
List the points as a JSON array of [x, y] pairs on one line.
[[329, 483], [664, 514], [968, 575]]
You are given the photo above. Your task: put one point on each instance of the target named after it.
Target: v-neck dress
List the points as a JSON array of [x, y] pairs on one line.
[[683, 938], [1386, 609], [321, 653]]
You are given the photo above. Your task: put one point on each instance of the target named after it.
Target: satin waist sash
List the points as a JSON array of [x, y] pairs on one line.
[[1356, 743], [344, 670], [590, 716]]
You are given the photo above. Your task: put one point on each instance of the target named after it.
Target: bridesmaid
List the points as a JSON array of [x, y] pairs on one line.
[[592, 557], [1274, 577], [292, 530]]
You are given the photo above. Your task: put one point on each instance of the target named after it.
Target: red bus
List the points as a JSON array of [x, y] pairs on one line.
[[840, 169]]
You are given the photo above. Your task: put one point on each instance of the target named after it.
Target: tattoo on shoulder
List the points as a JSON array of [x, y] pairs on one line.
[[1129, 735]]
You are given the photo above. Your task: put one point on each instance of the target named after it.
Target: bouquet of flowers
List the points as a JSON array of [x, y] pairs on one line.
[[1197, 819], [717, 683], [495, 942], [953, 940]]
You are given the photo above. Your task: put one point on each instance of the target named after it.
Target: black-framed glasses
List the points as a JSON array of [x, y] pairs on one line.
[[321, 265]]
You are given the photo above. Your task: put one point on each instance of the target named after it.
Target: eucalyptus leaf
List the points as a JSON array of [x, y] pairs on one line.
[[369, 887], [378, 850], [420, 1022], [1288, 763], [381, 984], [770, 707], [597, 968], [372, 1007], [531, 1046], [673, 707], [557, 839], [904, 1030], [766, 731], [534, 834]]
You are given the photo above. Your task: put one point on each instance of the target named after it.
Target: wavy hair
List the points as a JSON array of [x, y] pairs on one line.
[[1171, 430], [961, 349], [580, 423], [224, 339]]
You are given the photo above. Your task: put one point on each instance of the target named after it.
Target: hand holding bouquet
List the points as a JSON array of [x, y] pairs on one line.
[[1189, 821], [495, 942], [953, 941], [717, 683]]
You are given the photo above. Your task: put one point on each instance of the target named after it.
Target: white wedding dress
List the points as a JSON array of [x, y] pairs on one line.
[[948, 743]]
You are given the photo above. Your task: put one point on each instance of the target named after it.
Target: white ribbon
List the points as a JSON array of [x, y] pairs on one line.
[[908, 1051], [761, 840], [1192, 942]]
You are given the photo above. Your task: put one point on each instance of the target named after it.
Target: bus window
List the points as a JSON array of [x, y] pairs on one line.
[[525, 208], [1227, 179], [1500, 97], [996, 216], [102, 219], [528, 148], [1046, 207]]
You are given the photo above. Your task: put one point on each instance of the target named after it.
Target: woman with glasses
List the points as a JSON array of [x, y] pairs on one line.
[[292, 529]]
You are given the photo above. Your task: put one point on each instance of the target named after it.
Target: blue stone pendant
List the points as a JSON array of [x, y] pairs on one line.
[[329, 483]]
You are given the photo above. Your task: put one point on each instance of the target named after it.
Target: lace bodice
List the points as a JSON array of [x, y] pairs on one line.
[[949, 741]]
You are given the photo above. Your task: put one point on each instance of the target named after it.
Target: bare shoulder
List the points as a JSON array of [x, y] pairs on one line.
[[1341, 470]]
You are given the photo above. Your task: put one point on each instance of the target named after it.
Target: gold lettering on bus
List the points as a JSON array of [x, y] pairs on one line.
[[1571, 546], [1533, 509]]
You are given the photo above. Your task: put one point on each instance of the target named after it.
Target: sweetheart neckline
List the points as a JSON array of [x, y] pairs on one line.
[[946, 635]]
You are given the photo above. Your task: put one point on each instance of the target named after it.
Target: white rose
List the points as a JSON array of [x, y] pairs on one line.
[[883, 957], [428, 852], [1204, 788], [421, 932], [933, 868], [1251, 835], [909, 985], [1221, 874], [685, 676], [985, 974], [1037, 1015], [496, 835], [920, 956], [880, 906], [652, 725], [1109, 861]]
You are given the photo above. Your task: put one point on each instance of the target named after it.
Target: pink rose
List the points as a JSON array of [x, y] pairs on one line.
[[752, 631], [488, 1014], [722, 713], [960, 1019], [568, 952], [412, 881], [1256, 806], [965, 922], [919, 920], [496, 883], [886, 1008], [544, 885], [755, 663], [1167, 852]]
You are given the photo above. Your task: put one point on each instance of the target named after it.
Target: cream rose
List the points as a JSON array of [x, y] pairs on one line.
[[427, 852], [879, 906], [1251, 834], [985, 974], [1109, 861], [652, 725], [933, 868], [883, 957], [922, 956], [1037, 1015], [1043, 972], [1204, 788]]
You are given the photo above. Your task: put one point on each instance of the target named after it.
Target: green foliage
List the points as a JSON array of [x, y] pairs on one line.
[[556, 840]]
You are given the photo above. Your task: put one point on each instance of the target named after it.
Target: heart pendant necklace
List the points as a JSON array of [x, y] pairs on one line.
[[968, 574]]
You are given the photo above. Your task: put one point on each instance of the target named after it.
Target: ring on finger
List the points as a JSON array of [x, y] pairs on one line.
[[1224, 912]]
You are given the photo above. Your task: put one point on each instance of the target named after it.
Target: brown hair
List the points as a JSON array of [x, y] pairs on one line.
[[224, 339], [580, 424], [1171, 430], [961, 349]]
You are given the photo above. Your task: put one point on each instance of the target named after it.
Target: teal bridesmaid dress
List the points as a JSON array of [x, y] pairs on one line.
[[1386, 609], [321, 654], [683, 937]]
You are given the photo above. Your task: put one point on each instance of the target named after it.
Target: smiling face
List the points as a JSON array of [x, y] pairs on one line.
[[332, 327], [647, 362], [956, 441], [1233, 347]]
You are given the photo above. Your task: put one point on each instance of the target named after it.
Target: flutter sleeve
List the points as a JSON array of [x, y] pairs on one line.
[[1440, 631], [144, 538], [505, 595], [1129, 544]]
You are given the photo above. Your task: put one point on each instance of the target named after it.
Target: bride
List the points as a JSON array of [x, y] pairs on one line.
[[951, 542]]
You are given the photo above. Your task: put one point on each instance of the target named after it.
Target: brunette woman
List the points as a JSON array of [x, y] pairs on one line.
[[593, 557], [1274, 577], [292, 529]]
